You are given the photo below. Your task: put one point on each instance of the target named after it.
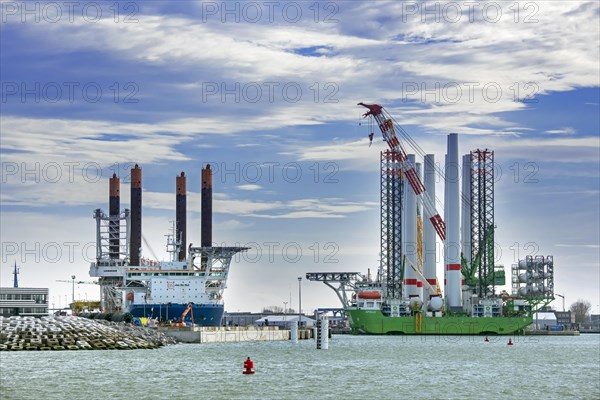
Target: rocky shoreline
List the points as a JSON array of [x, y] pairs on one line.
[[75, 333]]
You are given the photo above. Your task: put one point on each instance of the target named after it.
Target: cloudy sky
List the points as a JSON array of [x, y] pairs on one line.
[[267, 92]]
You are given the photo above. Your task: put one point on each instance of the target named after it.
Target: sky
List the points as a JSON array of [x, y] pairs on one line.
[[267, 93]]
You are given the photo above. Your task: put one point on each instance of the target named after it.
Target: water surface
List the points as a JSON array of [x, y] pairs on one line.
[[354, 367]]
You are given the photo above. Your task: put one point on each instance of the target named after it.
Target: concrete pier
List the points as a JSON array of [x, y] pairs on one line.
[[551, 333], [231, 334]]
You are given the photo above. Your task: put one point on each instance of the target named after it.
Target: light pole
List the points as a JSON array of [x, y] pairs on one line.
[[563, 300], [299, 301], [284, 310], [73, 295]]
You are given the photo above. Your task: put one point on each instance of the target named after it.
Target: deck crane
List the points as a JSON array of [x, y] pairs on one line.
[[388, 130]]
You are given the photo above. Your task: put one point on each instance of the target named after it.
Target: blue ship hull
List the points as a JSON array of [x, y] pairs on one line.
[[204, 314]]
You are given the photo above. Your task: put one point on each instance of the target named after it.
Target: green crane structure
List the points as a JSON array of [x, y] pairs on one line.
[[481, 274]]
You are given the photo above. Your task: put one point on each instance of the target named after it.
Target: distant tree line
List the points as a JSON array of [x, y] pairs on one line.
[[277, 310], [581, 309]]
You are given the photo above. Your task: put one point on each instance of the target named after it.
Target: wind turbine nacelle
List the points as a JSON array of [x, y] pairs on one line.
[[436, 304]]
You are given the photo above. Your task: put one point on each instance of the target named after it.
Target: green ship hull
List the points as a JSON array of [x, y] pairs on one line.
[[374, 322]]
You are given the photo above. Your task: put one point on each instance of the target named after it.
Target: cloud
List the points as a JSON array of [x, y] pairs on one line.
[[563, 131], [293, 209], [234, 225], [466, 72], [359, 156], [342, 150], [250, 187], [579, 246], [99, 141]]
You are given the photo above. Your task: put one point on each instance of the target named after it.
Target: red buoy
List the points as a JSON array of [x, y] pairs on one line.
[[510, 343], [486, 339], [249, 367]]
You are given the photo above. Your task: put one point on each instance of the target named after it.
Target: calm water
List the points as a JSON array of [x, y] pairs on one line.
[[354, 367]]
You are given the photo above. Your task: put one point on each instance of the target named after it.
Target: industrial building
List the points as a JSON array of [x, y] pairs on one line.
[[283, 321], [264, 319], [555, 320], [544, 320], [32, 302], [23, 301], [566, 319]]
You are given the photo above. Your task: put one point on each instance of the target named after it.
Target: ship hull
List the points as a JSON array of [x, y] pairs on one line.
[[204, 314], [374, 322]]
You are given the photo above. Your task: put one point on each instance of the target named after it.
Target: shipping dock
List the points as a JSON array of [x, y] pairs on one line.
[[405, 296]]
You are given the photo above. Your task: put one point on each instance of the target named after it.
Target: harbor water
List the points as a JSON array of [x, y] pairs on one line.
[[354, 367]]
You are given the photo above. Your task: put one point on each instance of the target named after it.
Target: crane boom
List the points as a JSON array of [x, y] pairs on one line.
[[386, 125], [187, 310]]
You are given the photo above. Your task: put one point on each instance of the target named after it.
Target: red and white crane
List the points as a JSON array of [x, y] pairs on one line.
[[388, 130]]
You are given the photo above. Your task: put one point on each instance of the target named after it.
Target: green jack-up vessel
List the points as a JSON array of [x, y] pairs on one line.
[[369, 311], [375, 322], [405, 296]]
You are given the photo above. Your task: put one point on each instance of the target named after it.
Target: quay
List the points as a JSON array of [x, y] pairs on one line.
[[229, 334], [543, 332]]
